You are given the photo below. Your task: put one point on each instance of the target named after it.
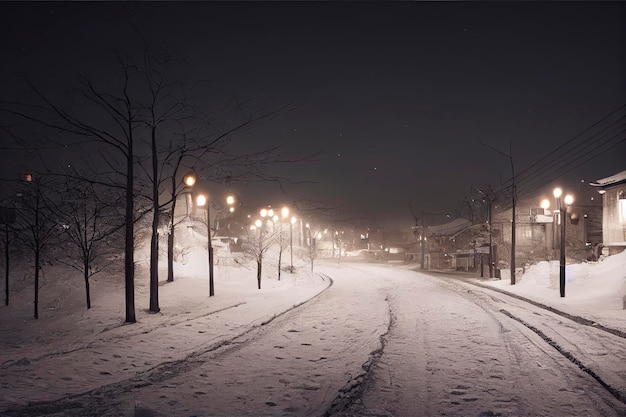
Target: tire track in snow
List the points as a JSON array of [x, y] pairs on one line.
[[351, 394], [615, 392], [577, 319], [618, 394]]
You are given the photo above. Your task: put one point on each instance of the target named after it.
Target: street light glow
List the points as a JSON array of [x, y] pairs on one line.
[[284, 212], [263, 212], [293, 220], [201, 200], [189, 179], [562, 206], [545, 204], [258, 223], [230, 200]]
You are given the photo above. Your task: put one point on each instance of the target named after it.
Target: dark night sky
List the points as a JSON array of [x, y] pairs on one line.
[[396, 97]]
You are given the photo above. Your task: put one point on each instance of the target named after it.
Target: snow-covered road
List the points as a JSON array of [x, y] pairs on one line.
[[380, 341], [459, 350]]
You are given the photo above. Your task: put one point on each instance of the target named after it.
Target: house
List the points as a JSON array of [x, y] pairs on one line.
[[440, 246], [613, 190], [537, 232]]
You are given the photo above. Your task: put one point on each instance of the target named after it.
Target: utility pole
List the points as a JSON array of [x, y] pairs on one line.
[[490, 240], [513, 203], [423, 230]]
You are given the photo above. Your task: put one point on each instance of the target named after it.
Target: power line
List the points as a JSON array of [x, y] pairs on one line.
[[556, 163], [568, 143], [584, 155]]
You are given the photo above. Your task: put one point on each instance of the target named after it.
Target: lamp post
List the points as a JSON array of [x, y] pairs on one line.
[[284, 213], [291, 223], [308, 228], [201, 200], [189, 180], [562, 203]]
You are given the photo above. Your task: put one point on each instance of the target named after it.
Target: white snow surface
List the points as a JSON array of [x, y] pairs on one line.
[[593, 290], [71, 350]]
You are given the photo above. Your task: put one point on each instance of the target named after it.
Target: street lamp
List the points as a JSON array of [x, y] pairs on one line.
[[230, 200], [189, 180], [562, 204], [201, 200]]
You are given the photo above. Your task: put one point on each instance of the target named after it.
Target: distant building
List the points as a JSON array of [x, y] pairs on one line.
[[537, 232], [613, 190]]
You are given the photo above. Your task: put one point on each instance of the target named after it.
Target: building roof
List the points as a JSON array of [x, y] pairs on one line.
[[616, 179]]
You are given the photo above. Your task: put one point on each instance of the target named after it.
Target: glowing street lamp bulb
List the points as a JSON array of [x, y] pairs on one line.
[[569, 199], [231, 209], [293, 220], [263, 212], [284, 212], [258, 223], [201, 200], [275, 218], [557, 192], [189, 180], [270, 213], [545, 204], [230, 200]]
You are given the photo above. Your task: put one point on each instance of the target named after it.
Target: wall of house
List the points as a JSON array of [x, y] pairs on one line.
[[537, 241], [614, 217]]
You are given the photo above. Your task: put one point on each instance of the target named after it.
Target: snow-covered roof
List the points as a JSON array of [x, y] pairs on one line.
[[612, 180]]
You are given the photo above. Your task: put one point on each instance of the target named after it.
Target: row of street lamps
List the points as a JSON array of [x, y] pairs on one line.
[[271, 216], [268, 214], [202, 200]]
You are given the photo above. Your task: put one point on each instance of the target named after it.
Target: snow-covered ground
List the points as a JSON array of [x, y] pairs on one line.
[[594, 290], [70, 350]]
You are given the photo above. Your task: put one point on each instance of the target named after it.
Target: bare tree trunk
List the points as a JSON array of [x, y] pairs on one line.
[[258, 272], [129, 258], [154, 265], [36, 304], [154, 241], [170, 237], [6, 264], [86, 274]]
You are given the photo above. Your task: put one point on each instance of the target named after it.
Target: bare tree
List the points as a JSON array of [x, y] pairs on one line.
[[7, 218], [257, 243], [36, 225], [108, 122], [88, 222], [140, 108]]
